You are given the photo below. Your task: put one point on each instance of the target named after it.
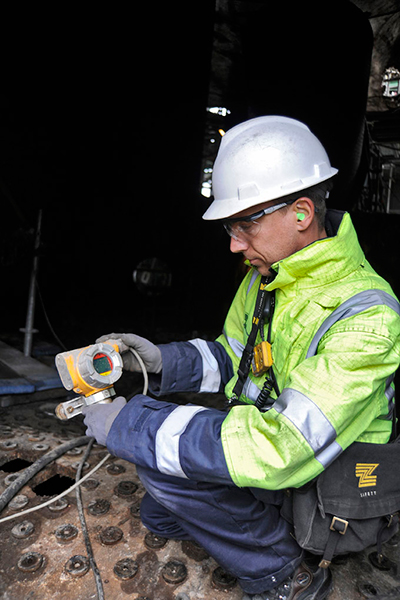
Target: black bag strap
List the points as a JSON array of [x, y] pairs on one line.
[[395, 431], [337, 528], [247, 355]]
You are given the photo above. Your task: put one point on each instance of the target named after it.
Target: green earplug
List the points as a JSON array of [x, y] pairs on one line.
[[300, 216]]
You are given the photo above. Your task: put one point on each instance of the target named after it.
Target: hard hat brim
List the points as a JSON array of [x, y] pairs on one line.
[[226, 208]]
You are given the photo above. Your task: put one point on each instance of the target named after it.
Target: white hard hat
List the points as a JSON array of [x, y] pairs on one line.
[[263, 159]]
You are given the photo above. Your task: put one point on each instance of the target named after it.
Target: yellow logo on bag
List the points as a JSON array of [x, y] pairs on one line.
[[364, 473]]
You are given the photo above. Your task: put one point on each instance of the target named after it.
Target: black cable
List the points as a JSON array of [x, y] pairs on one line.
[[37, 466], [89, 549], [46, 316]]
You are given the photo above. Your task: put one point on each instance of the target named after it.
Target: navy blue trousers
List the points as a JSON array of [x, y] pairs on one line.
[[241, 528]]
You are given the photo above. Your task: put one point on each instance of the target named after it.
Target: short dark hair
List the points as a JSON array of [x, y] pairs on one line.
[[318, 194]]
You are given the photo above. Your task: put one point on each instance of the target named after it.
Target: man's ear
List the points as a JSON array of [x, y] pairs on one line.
[[304, 211]]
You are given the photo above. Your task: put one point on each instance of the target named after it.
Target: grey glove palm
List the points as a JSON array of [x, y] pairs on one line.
[[148, 352], [100, 417]]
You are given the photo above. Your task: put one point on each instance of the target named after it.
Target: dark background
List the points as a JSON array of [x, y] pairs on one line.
[[102, 128]]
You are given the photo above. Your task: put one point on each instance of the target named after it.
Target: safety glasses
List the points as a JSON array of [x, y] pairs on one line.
[[245, 228]]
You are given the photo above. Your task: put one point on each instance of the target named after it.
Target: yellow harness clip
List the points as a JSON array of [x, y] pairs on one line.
[[262, 359]]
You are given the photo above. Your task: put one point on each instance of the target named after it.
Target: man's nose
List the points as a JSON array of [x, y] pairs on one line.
[[238, 245]]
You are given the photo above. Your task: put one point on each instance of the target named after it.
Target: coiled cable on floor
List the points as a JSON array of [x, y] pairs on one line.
[[85, 532], [56, 498], [37, 466], [29, 472], [44, 460]]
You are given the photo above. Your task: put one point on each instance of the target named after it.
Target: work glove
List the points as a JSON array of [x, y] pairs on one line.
[[147, 351], [100, 417]]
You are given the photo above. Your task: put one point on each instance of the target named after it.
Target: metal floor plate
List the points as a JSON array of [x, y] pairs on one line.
[[43, 555]]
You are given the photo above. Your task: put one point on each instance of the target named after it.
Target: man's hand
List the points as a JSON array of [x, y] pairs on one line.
[[100, 417], [147, 351]]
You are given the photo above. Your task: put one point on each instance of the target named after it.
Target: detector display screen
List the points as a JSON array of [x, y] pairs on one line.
[[102, 364]]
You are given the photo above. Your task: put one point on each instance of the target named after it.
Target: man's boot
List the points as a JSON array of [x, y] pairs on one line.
[[305, 584]]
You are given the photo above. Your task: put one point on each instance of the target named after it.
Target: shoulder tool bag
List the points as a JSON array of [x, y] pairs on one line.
[[354, 504]]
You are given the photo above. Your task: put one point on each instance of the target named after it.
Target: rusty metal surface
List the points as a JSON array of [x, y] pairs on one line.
[[43, 554]]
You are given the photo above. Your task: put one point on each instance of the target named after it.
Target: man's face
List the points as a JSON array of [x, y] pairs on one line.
[[275, 238]]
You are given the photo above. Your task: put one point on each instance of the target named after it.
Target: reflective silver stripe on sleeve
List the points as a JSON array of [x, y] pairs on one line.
[[211, 379], [354, 305], [251, 390], [329, 454], [308, 418], [389, 393], [237, 347], [167, 439]]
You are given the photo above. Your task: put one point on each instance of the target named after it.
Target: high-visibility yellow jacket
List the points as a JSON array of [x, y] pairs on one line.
[[339, 394], [335, 344]]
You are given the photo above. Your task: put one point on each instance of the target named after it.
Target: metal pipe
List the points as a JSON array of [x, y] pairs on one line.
[[30, 314]]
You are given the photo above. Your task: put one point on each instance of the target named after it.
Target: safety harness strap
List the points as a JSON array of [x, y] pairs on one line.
[[247, 356]]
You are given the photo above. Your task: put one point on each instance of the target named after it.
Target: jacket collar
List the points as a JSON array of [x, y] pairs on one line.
[[323, 261]]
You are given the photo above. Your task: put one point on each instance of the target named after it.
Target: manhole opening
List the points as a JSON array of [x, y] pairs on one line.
[[13, 466], [54, 485]]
